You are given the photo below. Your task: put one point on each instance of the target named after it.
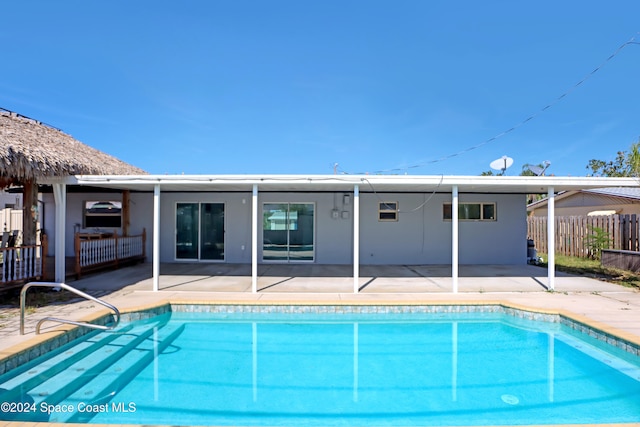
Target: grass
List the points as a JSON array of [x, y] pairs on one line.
[[592, 268], [35, 298]]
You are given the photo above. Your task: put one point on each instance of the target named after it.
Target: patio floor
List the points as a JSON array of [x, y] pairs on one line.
[[312, 278]]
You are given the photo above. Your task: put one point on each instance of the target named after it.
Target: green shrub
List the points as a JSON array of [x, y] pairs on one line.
[[597, 241]]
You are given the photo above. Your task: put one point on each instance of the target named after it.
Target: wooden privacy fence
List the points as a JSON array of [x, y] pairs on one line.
[[96, 251], [572, 233], [22, 263]]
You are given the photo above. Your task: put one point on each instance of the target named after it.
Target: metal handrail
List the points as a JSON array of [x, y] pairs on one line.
[[23, 298]]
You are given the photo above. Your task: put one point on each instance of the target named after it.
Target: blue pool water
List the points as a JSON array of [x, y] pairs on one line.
[[334, 370]]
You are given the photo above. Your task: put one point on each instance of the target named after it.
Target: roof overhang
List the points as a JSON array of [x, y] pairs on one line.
[[366, 183]]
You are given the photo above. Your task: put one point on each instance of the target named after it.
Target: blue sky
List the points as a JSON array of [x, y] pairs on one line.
[[237, 86]]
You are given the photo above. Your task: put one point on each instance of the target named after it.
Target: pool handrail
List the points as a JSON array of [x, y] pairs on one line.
[[23, 294]]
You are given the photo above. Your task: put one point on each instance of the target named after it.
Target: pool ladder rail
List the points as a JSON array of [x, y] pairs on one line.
[[23, 295]]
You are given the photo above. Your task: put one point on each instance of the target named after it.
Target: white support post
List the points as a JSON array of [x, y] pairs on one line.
[[551, 240], [356, 238], [254, 240], [60, 196], [454, 239], [156, 238]]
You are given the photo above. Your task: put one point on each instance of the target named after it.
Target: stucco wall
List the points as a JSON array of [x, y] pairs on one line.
[[621, 209], [420, 236]]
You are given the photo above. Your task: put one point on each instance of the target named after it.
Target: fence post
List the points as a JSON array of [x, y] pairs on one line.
[[634, 233], [117, 248], [616, 232]]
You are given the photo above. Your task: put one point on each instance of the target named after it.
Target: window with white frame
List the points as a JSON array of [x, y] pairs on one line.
[[476, 211], [387, 211]]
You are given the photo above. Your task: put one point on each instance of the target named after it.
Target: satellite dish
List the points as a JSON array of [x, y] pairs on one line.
[[538, 170], [501, 164]]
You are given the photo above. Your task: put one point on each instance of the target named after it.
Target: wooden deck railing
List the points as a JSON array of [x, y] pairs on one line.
[[95, 250], [23, 263]]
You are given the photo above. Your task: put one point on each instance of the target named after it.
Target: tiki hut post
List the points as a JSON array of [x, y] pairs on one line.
[[29, 212], [125, 212]]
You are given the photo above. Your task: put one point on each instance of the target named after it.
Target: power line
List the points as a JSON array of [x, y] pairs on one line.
[[513, 128]]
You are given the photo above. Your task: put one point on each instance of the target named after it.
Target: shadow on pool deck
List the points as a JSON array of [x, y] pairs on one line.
[[312, 278]]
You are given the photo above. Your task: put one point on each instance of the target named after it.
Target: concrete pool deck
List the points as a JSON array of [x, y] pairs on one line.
[[611, 308]]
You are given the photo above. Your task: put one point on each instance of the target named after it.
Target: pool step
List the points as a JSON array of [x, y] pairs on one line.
[[82, 371], [105, 386], [21, 380]]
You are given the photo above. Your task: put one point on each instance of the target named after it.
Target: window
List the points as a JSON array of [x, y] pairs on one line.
[[388, 211], [471, 211], [102, 214], [288, 232], [200, 231]]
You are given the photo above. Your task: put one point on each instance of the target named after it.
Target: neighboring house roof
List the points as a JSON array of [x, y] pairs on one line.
[[624, 192], [32, 150], [619, 194]]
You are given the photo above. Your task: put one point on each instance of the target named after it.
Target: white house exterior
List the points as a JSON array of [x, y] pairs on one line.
[[320, 219]]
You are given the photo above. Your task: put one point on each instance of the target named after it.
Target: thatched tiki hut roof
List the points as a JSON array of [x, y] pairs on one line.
[[30, 150]]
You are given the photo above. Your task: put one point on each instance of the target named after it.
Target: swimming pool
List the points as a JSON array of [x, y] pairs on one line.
[[310, 366]]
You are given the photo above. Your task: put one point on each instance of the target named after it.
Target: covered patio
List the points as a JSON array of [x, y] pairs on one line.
[[357, 274]]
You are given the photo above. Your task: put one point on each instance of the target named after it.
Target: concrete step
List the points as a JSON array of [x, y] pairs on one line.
[[19, 381], [98, 392], [67, 381]]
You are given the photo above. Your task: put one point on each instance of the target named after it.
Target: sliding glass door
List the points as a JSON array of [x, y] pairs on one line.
[[200, 231], [288, 232]]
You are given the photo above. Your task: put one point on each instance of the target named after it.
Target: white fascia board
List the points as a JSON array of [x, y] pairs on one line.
[[50, 180], [445, 183]]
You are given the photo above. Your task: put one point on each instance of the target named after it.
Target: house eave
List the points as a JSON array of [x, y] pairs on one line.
[[366, 183]]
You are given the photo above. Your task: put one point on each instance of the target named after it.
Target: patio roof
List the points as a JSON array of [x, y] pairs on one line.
[[366, 183]]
